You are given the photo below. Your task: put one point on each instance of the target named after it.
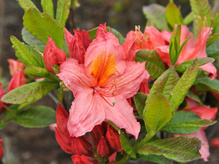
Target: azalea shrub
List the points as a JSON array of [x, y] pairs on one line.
[[143, 96]]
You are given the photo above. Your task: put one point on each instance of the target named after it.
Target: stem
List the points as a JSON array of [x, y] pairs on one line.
[[122, 161], [144, 140], [54, 98]]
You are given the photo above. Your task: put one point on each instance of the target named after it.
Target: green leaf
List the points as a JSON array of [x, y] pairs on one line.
[[40, 72], [62, 12], [173, 15], [75, 4], [154, 158], [212, 85], [213, 49], [29, 93], [202, 9], [126, 145], [92, 33], [157, 114], [164, 84], [194, 97], [212, 39], [118, 35], [32, 40], [48, 7], [154, 65], [180, 149], [201, 61], [37, 116], [140, 99], [189, 18], [155, 14], [26, 4], [23, 53], [175, 45], [184, 84], [185, 122], [41, 25]]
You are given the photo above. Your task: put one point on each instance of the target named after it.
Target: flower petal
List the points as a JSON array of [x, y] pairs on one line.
[[210, 68], [17, 80], [128, 83], [73, 76], [154, 38], [86, 112], [121, 114]]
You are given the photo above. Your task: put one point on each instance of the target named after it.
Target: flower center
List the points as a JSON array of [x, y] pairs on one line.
[[103, 67]]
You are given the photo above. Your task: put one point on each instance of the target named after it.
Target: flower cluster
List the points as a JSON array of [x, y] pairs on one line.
[[143, 96]]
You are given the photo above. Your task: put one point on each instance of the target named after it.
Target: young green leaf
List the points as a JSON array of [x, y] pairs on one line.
[[140, 99], [189, 18], [175, 45], [173, 15], [154, 65], [37, 116], [126, 145], [29, 93], [194, 97], [154, 158], [156, 15], [201, 61], [164, 84], [40, 72], [157, 114], [118, 35], [41, 25], [185, 122], [212, 85], [184, 84], [23, 53], [48, 7], [62, 12], [26, 4], [201, 8], [32, 40], [180, 149]]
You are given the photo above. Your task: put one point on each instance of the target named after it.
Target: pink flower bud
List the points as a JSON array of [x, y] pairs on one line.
[[53, 55], [64, 141], [15, 66], [17, 80], [215, 142]]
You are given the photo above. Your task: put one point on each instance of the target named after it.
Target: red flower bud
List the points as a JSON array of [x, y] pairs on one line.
[[112, 137], [62, 119], [81, 146], [77, 159], [103, 148], [17, 80], [1, 149], [15, 66], [53, 55], [2, 93], [97, 133], [77, 44], [64, 141], [215, 142]]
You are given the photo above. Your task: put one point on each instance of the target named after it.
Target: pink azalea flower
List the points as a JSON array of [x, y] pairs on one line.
[[192, 49], [101, 86], [203, 112]]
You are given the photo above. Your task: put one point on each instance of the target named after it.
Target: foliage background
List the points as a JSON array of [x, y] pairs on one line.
[[38, 146]]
